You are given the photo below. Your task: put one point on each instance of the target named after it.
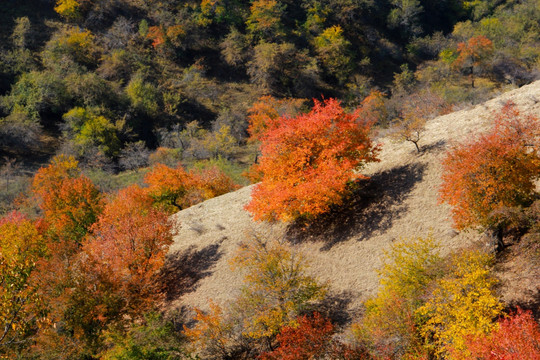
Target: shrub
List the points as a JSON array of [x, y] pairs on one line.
[[516, 338], [276, 288], [275, 293], [310, 339]]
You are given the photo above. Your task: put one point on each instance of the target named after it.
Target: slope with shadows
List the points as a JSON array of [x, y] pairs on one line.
[[344, 247]]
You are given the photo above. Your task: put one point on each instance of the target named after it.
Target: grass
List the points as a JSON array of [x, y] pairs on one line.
[[346, 252]]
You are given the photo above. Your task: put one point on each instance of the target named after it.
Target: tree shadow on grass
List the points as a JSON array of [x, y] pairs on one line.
[[371, 209], [183, 269], [336, 308]]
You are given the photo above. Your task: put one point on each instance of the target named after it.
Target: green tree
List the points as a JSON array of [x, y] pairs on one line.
[[35, 93], [264, 20], [143, 95], [21, 59], [220, 143], [333, 50], [71, 48], [282, 69], [86, 128], [405, 15], [154, 338]]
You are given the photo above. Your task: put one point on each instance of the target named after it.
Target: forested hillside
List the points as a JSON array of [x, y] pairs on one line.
[[395, 208], [109, 82]]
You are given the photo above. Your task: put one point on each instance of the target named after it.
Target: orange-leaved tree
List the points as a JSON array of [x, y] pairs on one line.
[[308, 161], [211, 182], [213, 334], [69, 200], [495, 171], [176, 188], [266, 112], [473, 53], [169, 186], [127, 247], [374, 107]]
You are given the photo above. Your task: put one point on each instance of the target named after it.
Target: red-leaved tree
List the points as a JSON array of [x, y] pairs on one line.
[[309, 340], [312, 338], [495, 171], [308, 161], [517, 338]]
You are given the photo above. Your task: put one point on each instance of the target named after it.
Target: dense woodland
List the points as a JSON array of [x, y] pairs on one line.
[[142, 108]]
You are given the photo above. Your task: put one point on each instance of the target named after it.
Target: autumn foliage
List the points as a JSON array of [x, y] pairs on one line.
[[175, 188], [212, 332], [211, 181], [276, 290], [69, 200], [309, 339], [473, 53], [266, 112], [21, 247], [127, 246], [429, 305], [494, 171], [462, 304], [169, 186], [308, 161], [516, 338], [374, 107]]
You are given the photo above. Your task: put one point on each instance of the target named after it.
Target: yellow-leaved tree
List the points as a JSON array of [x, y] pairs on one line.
[[390, 325], [276, 287], [21, 310], [275, 293], [429, 305], [70, 9], [463, 304]]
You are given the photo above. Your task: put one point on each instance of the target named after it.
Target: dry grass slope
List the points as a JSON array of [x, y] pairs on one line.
[[346, 246]]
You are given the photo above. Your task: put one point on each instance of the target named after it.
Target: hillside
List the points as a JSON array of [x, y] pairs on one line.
[[344, 247]]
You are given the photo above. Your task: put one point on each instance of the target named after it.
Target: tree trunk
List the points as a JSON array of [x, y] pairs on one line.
[[417, 147]]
